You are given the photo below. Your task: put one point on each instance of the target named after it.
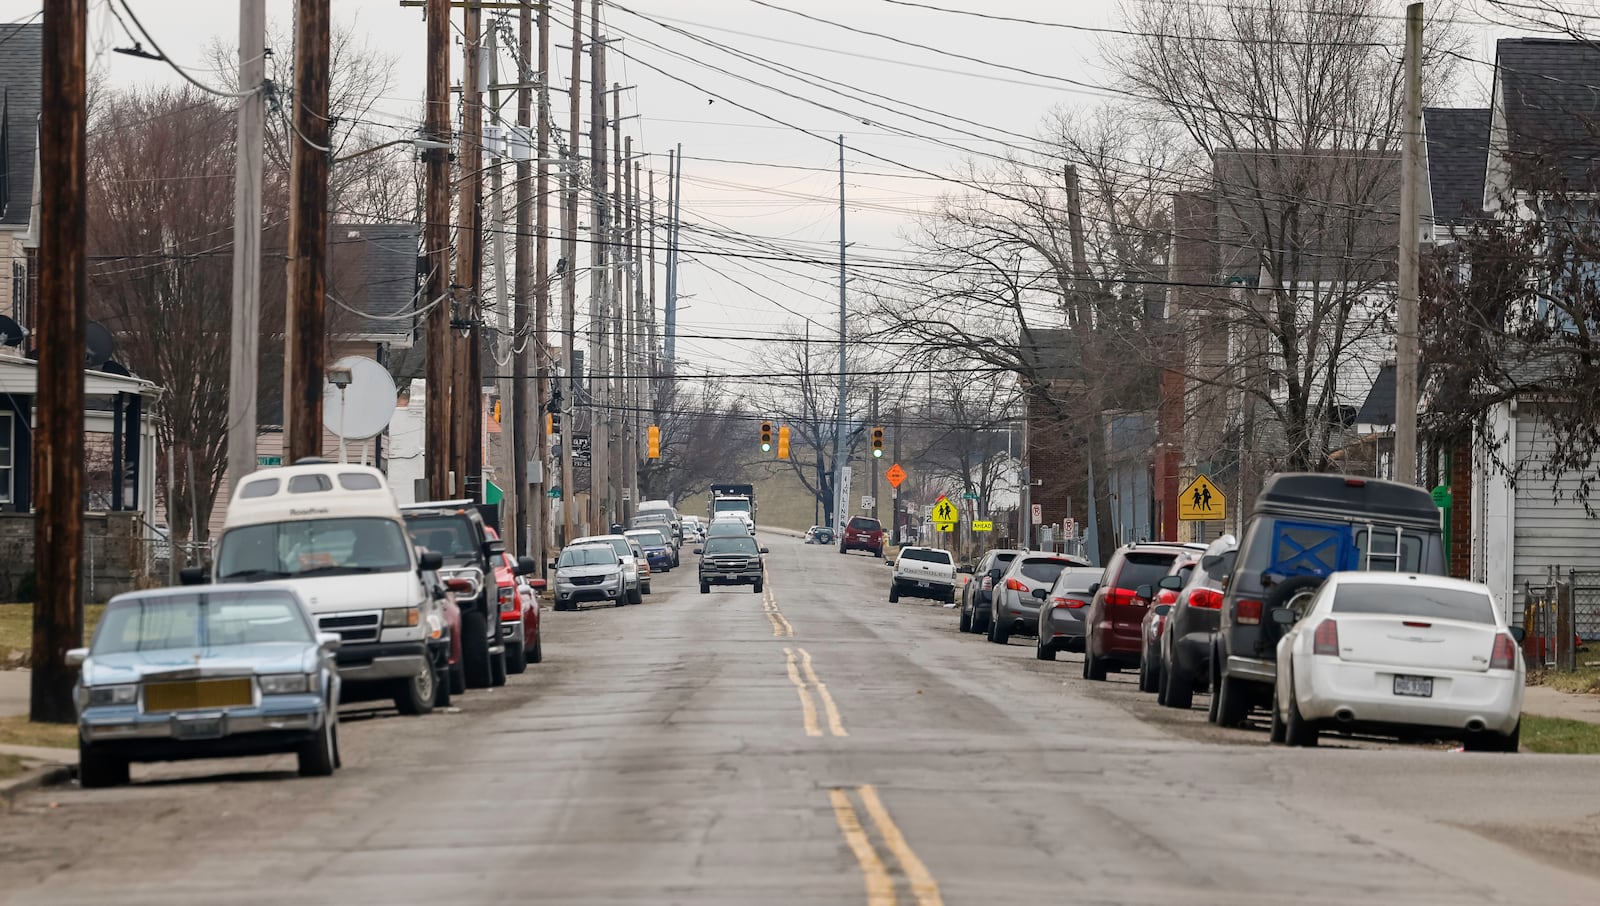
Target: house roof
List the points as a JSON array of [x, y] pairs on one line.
[[21, 78], [372, 278], [1458, 155], [1549, 92]]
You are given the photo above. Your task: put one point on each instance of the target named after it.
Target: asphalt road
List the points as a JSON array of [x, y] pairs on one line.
[[693, 750]]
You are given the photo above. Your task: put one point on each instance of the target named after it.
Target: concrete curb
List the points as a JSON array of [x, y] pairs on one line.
[[38, 778]]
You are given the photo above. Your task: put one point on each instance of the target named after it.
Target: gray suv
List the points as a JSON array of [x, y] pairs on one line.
[[1014, 608]]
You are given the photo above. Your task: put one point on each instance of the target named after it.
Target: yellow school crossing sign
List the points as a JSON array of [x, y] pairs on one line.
[[945, 515], [1202, 501]]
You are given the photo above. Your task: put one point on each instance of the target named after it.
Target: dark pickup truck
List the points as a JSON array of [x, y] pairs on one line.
[[731, 560]]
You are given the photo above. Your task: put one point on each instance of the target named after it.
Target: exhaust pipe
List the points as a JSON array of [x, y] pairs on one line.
[[1345, 715], [1475, 725]]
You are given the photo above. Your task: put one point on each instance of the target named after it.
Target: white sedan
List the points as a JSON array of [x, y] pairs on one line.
[[1399, 655]]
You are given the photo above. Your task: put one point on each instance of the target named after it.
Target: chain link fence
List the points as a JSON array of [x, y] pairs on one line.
[[1585, 603]]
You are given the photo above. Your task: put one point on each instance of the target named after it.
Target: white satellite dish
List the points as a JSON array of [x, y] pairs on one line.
[[363, 408]]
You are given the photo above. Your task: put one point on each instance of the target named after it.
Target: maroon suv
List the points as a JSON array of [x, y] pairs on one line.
[[862, 533], [1113, 637]]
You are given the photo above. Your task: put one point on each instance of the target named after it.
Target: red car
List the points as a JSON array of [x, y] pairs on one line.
[[862, 533], [528, 589], [1115, 621], [452, 679], [516, 601]]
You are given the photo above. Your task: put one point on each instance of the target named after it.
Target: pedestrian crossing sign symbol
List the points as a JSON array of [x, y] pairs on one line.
[[1202, 501], [945, 514]]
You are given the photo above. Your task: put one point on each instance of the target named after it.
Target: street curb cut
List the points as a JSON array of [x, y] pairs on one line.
[[43, 776]]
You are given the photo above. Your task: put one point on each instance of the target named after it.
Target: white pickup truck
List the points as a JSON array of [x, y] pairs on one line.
[[923, 572]]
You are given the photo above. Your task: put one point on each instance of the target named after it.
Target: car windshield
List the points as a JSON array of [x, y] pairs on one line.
[[588, 555], [725, 527], [1041, 570], [312, 546], [451, 537], [915, 553], [1144, 569], [1413, 601], [648, 539], [865, 524], [744, 545], [200, 620], [731, 505]]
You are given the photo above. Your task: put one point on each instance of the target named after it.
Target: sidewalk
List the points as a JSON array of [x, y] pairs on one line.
[[14, 692], [1547, 702]]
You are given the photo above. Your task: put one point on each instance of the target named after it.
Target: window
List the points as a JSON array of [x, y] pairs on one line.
[[359, 481], [1044, 571], [865, 524], [1381, 556], [312, 546], [588, 555], [921, 553], [7, 457], [451, 537], [719, 546], [1412, 601], [1144, 569], [265, 487], [193, 620], [307, 484]]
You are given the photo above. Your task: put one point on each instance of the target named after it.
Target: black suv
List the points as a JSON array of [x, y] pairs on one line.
[[731, 560], [1303, 527], [455, 531]]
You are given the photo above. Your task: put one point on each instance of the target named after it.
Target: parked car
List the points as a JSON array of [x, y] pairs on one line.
[[1061, 626], [693, 528], [661, 522], [642, 563], [1302, 527], [528, 589], [455, 530], [1159, 599], [862, 533], [632, 580], [1399, 654], [657, 551], [511, 596], [977, 591], [924, 572], [203, 672], [731, 560], [1192, 626], [444, 629], [1116, 613], [589, 571], [819, 534], [648, 509], [1014, 606]]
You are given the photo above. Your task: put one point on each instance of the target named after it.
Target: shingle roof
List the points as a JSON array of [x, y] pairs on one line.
[[1550, 92], [372, 268], [1458, 155], [21, 76]]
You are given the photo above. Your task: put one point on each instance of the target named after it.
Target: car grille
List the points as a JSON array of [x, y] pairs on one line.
[[730, 564], [587, 580], [351, 627], [191, 695]]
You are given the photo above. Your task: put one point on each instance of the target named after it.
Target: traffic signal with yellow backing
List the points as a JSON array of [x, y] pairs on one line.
[[766, 437], [877, 443], [783, 441], [655, 442]]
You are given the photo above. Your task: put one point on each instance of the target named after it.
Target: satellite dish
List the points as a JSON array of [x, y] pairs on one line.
[[11, 333], [363, 408], [99, 343], [116, 367]]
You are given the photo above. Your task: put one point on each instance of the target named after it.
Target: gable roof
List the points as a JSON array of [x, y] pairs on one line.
[[21, 85], [1549, 93], [371, 274], [1458, 155]]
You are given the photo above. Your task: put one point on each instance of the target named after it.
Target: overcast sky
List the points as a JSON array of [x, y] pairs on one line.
[[748, 171]]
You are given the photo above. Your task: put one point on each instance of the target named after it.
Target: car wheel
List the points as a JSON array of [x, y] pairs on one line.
[[644, 589], [965, 623], [1179, 688], [516, 658], [475, 650], [441, 688], [98, 768], [894, 593], [1044, 651], [705, 588], [980, 620], [1297, 731], [1232, 705], [997, 632], [497, 669], [878, 553], [414, 695], [1162, 681], [756, 587], [536, 656], [1277, 732], [458, 679], [1146, 681], [319, 754], [841, 548], [1094, 668]]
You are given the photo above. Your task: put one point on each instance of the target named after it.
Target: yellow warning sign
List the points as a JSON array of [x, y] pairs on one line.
[[945, 515], [983, 525], [1202, 501]]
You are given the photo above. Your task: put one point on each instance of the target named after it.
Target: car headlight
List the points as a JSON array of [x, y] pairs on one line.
[[284, 683], [435, 626], [401, 616], [125, 694]]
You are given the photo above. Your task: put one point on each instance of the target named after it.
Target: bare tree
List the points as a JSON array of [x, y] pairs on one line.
[[701, 435]]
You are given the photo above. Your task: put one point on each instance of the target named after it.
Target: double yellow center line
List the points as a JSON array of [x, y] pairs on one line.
[[804, 687], [875, 873]]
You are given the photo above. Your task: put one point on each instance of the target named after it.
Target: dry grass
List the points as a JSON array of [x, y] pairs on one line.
[[16, 627], [1559, 736], [19, 731], [1583, 681]]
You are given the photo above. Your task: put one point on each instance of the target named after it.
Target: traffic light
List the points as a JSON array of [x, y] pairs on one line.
[[655, 442], [552, 423], [877, 443], [783, 441], [766, 437], [497, 410]]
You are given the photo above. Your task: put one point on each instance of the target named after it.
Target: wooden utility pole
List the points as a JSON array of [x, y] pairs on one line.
[[531, 500], [243, 364], [467, 425], [637, 354], [506, 339], [600, 235], [58, 446], [1405, 335], [305, 347], [436, 245], [569, 284], [653, 364], [625, 337]]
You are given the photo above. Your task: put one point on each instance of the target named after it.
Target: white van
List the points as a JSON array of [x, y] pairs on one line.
[[335, 533]]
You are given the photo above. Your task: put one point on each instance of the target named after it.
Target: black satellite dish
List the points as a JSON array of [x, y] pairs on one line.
[[11, 333], [99, 343], [116, 367]]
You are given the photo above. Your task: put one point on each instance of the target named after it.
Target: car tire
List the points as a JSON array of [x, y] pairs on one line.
[[1231, 704], [1162, 678], [98, 768], [894, 593], [1044, 651], [980, 620], [705, 588], [1276, 734], [458, 679], [413, 695], [756, 587], [965, 623], [1094, 668], [441, 687], [1146, 680], [497, 669], [516, 658], [841, 548], [878, 553], [319, 755], [997, 632], [1179, 688], [536, 654], [1297, 731], [475, 650], [644, 589]]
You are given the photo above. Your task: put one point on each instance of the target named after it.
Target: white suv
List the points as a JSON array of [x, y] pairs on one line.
[[923, 572]]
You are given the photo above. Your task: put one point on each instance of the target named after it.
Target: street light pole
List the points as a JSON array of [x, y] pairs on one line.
[[838, 428]]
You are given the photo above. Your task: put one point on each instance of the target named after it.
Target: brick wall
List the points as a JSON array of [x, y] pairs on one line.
[[115, 559]]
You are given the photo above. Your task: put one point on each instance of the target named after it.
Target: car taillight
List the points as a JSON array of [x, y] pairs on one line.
[[1505, 653], [508, 599], [1326, 639], [1206, 598], [1015, 585], [1122, 596], [1071, 603], [1249, 613], [1167, 596]]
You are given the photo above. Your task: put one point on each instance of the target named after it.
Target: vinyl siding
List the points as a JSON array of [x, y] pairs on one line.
[[1552, 529]]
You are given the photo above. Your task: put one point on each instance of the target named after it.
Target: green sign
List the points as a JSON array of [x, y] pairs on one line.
[[970, 495], [492, 493], [269, 461], [1442, 498], [554, 492]]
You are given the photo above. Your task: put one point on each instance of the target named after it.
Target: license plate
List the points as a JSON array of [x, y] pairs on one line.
[[198, 727], [1415, 686]]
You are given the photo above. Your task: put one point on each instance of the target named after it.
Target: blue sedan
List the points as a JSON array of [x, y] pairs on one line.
[[656, 550], [203, 672]]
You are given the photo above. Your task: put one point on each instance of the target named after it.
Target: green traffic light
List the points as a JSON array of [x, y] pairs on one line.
[[877, 454], [766, 447]]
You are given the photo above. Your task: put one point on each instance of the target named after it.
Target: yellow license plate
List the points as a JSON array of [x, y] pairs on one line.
[[190, 695]]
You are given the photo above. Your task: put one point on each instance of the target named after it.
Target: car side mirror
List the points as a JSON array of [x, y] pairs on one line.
[[493, 548], [1518, 634], [1172, 583], [765, 551], [1163, 609], [553, 564], [429, 560], [329, 641], [699, 550], [1144, 592], [527, 566], [621, 562], [76, 656], [1094, 588], [192, 575], [1283, 616], [1041, 593]]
